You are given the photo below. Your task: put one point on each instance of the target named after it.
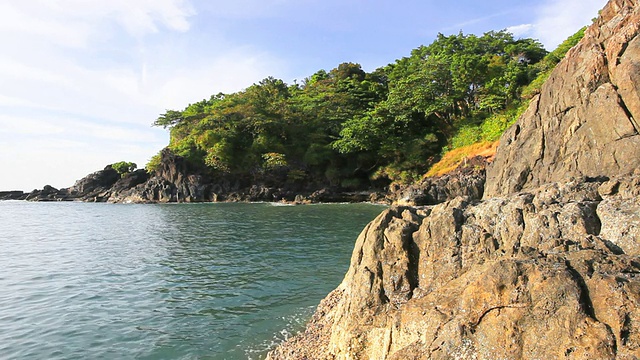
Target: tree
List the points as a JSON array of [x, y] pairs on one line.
[[124, 167]]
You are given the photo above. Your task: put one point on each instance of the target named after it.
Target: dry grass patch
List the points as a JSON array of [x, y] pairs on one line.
[[452, 159]]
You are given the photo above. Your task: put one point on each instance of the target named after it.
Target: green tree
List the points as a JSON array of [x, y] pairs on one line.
[[124, 167]]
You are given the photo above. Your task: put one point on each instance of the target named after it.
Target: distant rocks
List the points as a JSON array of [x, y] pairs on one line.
[[467, 180], [176, 180], [12, 195]]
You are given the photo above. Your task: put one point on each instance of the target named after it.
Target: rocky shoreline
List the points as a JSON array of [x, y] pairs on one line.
[[176, 182]]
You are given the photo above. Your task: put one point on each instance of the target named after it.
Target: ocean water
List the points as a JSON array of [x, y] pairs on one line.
[[174, 281]]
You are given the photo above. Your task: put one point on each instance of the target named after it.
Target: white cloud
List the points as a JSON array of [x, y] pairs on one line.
[[73, 22], [12, 125], [522, 30], [88, 77], [558, 19]]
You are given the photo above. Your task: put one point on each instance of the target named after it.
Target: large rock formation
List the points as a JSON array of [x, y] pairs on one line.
[[95, 187], [546, 267], [178, 180], [585, 121], [547, 274]]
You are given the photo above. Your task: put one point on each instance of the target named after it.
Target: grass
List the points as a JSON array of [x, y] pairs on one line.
[[452, 159]]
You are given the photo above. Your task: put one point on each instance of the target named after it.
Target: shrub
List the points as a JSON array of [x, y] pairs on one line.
[[124, 167]]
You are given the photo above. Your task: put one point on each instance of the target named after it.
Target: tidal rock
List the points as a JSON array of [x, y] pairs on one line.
[[584, 122]]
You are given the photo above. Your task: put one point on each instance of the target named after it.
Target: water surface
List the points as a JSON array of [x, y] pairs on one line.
[[174, 281]]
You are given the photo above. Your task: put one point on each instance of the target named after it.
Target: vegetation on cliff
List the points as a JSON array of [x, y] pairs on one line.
[[353, 129], [350, 128]]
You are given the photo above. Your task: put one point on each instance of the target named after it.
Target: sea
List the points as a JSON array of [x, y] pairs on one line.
[[166, 281]]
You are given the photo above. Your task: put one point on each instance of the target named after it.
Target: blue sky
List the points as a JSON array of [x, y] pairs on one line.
[[82, 80]]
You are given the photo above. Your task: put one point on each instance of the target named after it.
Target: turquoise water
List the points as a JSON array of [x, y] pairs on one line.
[[198, 281]]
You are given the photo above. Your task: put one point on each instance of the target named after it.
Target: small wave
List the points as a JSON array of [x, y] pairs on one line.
[[280, 204], [294, 323]]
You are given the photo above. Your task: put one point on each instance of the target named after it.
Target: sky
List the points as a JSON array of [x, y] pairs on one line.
[[83, 80]]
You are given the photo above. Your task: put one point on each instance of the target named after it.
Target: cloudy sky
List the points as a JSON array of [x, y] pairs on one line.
[[82, 80]]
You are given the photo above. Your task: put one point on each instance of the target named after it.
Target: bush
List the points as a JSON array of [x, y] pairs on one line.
[[154, 163], [124, 167]]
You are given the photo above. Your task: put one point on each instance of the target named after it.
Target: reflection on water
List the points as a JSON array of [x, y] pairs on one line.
[[214, 281]]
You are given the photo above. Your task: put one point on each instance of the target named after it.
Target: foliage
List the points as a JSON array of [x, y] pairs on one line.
[[124, 167], [352, 128], [154, 163], [488, 130], [274, 160], [472, 133]]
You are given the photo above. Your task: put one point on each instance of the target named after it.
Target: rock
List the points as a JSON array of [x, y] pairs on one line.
[[619, 212], [93, 187], [12, 195], [535, 275], [48, 193], [435, 190], [466, 180], [584, 122], [94, 184]]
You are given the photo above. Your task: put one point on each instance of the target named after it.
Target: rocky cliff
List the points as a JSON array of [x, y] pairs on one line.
[[547, 274], [547, 266], [585, 120]]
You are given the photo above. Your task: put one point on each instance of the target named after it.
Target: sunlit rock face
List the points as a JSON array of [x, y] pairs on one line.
[[585, 121]]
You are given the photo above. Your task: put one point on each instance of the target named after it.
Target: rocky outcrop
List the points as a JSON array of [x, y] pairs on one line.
[[545, 274], [48, 193], [177, 180], [12, 195], [466, 180], [96, 184], [585, 121], [547, 266], [95, 187]]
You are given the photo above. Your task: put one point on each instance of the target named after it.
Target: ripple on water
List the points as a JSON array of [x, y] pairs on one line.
[[215, 281]]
